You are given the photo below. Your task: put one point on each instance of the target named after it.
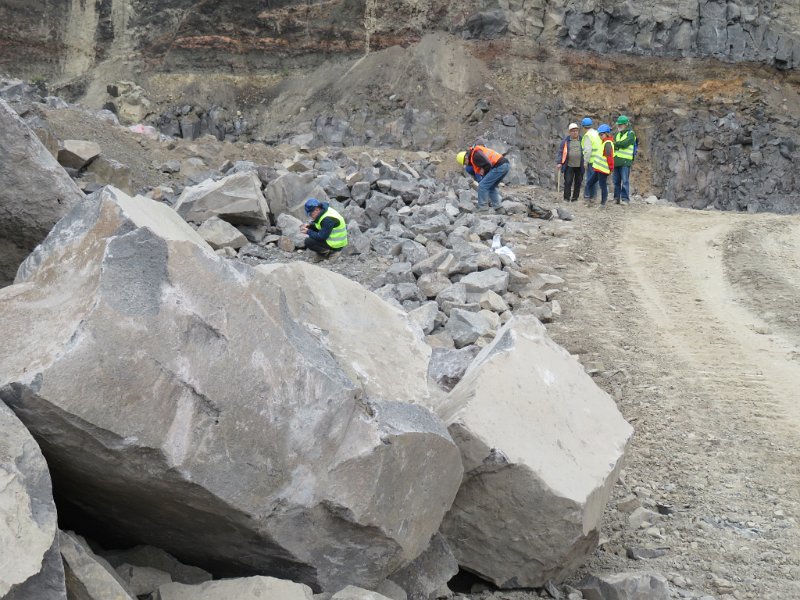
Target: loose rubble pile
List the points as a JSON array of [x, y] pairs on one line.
[[255, 415], [444, 271]]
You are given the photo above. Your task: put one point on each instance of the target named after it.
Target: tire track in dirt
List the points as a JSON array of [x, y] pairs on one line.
[[735, 384], [687, 319], [677, 265]]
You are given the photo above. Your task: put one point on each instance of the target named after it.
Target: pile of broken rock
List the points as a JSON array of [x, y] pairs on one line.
[[275, 423]]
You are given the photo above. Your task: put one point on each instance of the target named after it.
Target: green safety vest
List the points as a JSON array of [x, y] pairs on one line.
[[624, 153], [338, 236]]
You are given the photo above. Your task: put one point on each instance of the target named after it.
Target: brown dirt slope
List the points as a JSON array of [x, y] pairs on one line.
[[689, 320]]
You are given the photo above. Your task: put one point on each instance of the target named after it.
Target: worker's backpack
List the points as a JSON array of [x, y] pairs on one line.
[[635, 145]]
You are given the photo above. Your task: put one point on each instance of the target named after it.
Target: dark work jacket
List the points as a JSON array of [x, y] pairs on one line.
[[561, 159], [480, 160], [325, 227]]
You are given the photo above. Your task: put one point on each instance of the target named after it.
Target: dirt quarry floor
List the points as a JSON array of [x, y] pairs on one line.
[[690, 321]]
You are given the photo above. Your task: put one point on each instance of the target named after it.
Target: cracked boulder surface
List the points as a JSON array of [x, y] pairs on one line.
[[180, 404]]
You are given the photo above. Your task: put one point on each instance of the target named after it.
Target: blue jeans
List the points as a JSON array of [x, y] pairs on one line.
[[591, 183], [622, 183], [593, 180], [602, 180], [487, 188]]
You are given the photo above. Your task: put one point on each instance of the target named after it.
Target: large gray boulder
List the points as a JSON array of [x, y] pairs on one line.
[[142, 580], [155, 558], [88, 576], [236, 199], [30, 565], [542, 446], [388, 361], [215, 425], [355, 593], [289, 192], [429, 572], [36, 192], [245, 588]]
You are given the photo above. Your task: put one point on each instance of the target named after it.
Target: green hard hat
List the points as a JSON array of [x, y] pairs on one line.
[[623, 120]]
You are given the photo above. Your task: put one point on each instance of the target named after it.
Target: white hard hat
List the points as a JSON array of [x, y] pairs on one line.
[[572, 126]]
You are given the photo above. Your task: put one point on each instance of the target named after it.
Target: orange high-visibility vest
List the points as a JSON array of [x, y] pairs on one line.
[[490, 154]]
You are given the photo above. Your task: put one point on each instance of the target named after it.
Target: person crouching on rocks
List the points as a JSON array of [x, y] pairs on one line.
[[326, 232], [488, 167]]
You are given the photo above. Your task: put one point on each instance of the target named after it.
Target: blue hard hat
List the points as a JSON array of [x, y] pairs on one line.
[[587, 122], [604, 129], [311, 204]]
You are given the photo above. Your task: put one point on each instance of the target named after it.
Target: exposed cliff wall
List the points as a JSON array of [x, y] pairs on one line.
[[68, 37], [762, 31], [715, 132]]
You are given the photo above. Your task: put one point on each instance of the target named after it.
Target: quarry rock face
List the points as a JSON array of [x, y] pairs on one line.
[[30, 563], [541, 446], [37, 192], [737, 31], [180, 401]]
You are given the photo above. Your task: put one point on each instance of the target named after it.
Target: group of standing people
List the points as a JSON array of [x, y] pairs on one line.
[[598, 154]]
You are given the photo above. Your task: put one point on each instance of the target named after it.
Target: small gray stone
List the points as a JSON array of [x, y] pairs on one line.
[[456, 292], [638, 553], [425, 316], [432, 284], [447, 367], [625, 586], [491, 279], [76, 154], [220, 234], [466, 327], [88, 575], [400, 273], [564, 214], [490, 300], [640, 516]]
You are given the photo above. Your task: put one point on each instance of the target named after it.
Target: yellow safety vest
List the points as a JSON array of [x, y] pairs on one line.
[[338, 236], [600, 163], [624, 153], [597, 144]]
